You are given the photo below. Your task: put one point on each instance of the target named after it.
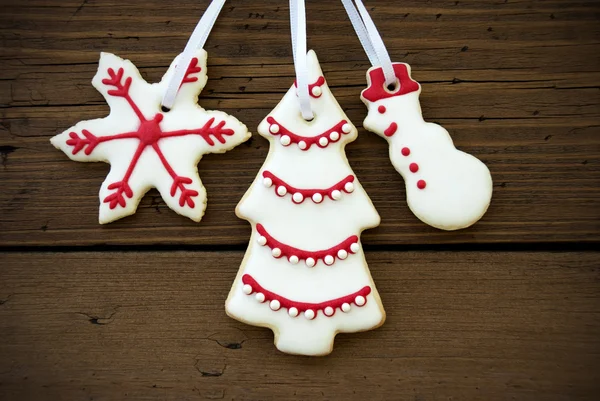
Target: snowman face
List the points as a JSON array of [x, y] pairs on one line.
[[386, 115]]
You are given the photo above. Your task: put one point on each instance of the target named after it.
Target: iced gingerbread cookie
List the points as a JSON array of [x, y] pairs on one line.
[[445, 187], [147, 147], [304, 274]]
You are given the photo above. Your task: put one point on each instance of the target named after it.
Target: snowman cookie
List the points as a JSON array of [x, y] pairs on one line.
[[445, 187]]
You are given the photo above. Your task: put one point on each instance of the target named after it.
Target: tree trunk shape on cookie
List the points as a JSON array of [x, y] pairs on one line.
[[304, 274], [445, 187]]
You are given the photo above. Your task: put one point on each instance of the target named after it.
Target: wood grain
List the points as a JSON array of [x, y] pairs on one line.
[[516, 83], [151, 326]]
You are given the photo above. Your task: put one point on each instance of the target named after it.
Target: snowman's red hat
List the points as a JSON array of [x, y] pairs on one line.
[[377, 89]]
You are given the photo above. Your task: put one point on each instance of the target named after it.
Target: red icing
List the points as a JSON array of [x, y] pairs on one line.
[[421, 184], [405, 151], [309, 140], [288, 251], [414, 167], [377, 89], [304, 306], [193, 68], [149, 133], [381, 109], [319, 82], [391, 130], [307, 193]]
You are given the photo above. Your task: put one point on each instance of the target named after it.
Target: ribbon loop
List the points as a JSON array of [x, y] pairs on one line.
[[196, 41], [370, 38], [298, 31]]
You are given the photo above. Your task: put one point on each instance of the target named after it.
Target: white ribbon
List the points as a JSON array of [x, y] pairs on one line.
[[298, 28], [196, 41], [370, 38]]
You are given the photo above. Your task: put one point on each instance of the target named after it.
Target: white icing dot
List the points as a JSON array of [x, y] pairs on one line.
[[342, 254], [294, 259], [302, 145], [275, 305], [360, 300], [323, 141], [309, 314], [334, 136], [298, 197], [317, 198], [336, 195], [354, 247], [274, 128], [316, 91], [310, 262], [260, 297], [329, 260], [276, 252], [293, 312], [268, 182], [346, 128], [349, 187], [281, 190], [247, 289], [345, 307], [261, 240], [285, 140], [328, 311]]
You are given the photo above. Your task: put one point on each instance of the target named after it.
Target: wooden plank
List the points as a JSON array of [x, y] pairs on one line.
[[151, 326], [516, 83]]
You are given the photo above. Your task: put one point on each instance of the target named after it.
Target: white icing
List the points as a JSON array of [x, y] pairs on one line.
[[285, 140], [329, 260], [316, 91], [336, 195], [323, 141], [275, 305], [308, 226], [317, 198], [354, 247], [261, 240], [276, 252], [458, 187], [274, 128], [294, 259], [309, 314], [346, 307], [342, 254], [359, 300], [328, 311], [247, 289], [334, 136], [298, 197], [281, 190], [260, 297], [268, 182], [349, 187], [183, 153]]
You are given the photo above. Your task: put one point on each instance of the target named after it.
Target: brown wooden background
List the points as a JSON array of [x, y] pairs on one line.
[[506, 310]]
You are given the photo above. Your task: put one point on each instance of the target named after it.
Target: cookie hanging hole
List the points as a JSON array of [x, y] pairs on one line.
[[165, 109], [393, 87], [307, 119]]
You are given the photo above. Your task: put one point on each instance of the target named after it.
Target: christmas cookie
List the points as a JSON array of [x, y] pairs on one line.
[[445, 187], [147, 146], [304, 274]]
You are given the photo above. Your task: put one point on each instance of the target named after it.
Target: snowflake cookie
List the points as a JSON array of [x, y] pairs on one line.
[[147, 147]]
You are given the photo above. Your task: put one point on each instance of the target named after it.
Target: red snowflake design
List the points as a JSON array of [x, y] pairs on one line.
[[149, 133]]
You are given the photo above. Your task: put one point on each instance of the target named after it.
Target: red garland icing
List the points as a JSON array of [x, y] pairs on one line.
[[149, 133], [289, 251], [377, 89], [304, 306], [318, 83], [309, 140], [307, 193]]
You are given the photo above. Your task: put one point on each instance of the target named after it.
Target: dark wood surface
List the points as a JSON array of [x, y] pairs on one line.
[[517, 83]]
